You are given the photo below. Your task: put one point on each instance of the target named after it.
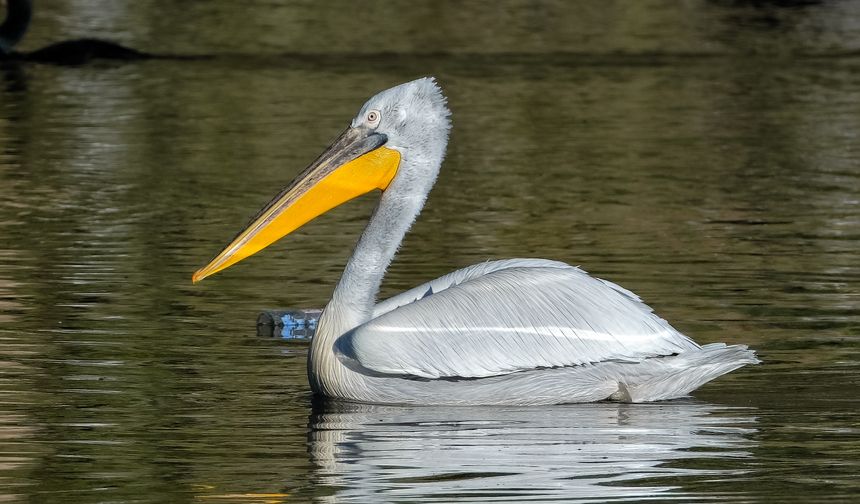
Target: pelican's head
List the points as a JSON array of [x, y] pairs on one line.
[[413, 116], [397, 139]]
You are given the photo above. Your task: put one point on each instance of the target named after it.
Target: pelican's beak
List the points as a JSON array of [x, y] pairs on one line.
[[356, 163]]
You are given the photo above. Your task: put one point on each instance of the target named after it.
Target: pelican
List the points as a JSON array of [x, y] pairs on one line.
[[512, 332], [68, 52]]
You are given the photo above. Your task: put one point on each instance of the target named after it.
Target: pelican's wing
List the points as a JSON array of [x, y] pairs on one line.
[[512, 318], [456, 278]]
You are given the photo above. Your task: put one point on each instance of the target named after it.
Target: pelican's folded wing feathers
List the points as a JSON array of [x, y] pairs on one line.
[[459, 276], [506, 318]]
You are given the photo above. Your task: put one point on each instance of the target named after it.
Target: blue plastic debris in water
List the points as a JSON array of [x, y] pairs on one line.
[[297, 323]]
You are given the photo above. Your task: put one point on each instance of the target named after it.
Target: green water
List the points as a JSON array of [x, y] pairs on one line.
[[702, 154]]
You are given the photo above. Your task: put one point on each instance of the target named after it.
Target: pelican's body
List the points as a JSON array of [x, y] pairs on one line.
[[518, 331]]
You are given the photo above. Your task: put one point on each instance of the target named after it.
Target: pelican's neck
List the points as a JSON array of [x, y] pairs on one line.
[[355, 295], [18, 13]]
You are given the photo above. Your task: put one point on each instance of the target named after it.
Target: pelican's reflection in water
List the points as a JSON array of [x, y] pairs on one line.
[[370, 453]]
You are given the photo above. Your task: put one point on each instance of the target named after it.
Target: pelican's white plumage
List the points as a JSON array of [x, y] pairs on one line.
[[517, 331], [513, 316]]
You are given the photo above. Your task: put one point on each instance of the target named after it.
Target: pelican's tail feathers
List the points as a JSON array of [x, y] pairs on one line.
[[672, 377]]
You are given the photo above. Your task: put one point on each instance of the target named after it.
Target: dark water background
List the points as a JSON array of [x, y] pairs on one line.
[[702, 154]]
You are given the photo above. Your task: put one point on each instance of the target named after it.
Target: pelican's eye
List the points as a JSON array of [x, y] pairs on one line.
[[372, 118]]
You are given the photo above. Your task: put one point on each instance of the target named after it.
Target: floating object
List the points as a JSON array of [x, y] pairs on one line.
[[291, 324]]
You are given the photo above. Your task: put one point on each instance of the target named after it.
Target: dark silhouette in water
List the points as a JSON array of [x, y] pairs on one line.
[[69, 52]]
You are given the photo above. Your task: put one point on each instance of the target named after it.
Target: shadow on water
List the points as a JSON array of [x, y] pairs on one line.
[[597, 452]]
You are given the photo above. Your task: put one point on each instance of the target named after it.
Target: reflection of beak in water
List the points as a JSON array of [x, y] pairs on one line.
[[599, 451]]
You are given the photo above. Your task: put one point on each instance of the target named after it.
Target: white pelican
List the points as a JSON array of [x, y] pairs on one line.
[[516, 331]]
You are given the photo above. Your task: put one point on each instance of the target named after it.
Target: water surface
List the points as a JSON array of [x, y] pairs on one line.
[[704, 155]]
